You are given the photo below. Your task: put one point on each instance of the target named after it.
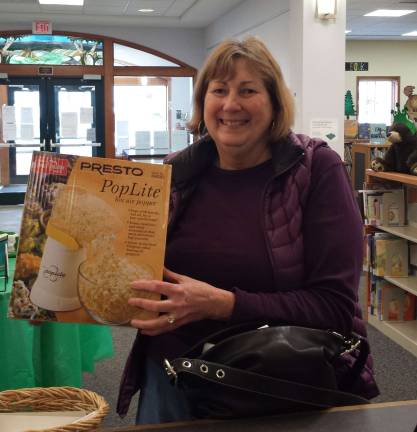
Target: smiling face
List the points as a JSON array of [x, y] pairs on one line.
[[238, 114]]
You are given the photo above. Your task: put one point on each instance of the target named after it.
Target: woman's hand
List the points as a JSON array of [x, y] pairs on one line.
[[187, 300]]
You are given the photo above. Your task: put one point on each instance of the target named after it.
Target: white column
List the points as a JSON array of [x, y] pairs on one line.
[[317, 67]]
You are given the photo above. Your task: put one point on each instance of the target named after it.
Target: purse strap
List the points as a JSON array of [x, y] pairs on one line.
[[262, 385]]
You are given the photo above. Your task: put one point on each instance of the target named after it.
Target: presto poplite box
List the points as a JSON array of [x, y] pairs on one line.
[[90, 227]]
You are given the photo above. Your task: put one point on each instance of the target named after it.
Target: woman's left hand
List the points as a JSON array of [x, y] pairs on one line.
[[187, 300]]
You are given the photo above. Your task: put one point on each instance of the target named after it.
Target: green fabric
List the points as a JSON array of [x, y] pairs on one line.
[[49, 354]]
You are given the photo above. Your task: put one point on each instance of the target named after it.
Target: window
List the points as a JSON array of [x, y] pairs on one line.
[[50, 49], [151, 114], [376, 98], [127, 56]]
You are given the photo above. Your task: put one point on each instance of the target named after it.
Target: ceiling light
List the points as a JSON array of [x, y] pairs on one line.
[[389, 12], [348, 31], [413, 33], [62, 2], [146, 10]]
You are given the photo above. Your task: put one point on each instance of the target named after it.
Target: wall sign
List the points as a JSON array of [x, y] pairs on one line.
[[41, 27], [356, 66]]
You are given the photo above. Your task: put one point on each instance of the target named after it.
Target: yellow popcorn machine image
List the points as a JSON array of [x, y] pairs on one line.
[[90, 227]]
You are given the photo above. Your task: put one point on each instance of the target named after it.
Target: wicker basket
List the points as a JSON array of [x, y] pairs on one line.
[[57, 399]]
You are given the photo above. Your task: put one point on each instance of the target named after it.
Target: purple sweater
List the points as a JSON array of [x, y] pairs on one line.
[[309, 248]]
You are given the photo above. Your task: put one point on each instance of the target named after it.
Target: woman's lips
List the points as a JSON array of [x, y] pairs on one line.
[[233, 123]]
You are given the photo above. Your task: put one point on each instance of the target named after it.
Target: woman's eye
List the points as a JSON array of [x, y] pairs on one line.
[[219, 91], [248, 91]]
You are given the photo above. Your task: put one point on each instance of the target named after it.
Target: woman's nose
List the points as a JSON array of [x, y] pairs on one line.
[[231, 102]]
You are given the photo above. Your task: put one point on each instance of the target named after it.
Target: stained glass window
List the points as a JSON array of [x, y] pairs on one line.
[[50, 49]]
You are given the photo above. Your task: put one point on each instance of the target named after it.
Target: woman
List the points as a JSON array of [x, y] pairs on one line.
[[263, 225]]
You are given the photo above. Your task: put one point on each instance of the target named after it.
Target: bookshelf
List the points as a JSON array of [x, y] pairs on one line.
[[402, 332], [361, 155]]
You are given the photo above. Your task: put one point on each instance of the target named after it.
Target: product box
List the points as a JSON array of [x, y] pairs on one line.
[[90, 227]]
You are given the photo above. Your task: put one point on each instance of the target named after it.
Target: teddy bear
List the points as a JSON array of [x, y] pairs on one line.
[[402, 154]]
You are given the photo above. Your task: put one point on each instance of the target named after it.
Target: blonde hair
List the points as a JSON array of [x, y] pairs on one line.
[[220, 64]]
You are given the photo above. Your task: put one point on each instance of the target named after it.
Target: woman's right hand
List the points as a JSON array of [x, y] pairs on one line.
[[187, 300]]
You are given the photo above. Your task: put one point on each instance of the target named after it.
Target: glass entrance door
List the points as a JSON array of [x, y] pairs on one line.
[[76, 121], [23, 124], [63, 115]]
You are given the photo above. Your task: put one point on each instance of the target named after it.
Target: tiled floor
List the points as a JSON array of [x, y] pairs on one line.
[[10, 218]]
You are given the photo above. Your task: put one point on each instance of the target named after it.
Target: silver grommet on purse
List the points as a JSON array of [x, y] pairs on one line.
[[220, 373], [186, 364], [204, 368]]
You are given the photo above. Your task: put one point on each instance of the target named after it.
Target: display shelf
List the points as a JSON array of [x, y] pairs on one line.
[[406, 179], [403, 333], [407, 232], [406, 283]]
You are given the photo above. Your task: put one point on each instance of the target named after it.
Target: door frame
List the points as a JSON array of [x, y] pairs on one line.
[[47, 111]]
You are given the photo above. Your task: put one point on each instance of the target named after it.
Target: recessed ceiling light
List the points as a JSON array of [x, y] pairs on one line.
[[348, 31], [63, 2], [413, 33], [389, 12], [146, 10]]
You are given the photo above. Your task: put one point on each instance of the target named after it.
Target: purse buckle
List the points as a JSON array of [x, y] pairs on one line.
[[170, 370], [350, 344]]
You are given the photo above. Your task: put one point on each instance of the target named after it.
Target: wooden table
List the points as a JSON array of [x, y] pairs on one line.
[[381, 417]]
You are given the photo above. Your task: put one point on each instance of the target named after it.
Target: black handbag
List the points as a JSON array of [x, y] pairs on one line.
[[247, 371]]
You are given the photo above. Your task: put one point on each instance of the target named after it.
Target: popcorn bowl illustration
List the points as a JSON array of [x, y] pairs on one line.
[[98, 302], [55, 288], [104, 294]]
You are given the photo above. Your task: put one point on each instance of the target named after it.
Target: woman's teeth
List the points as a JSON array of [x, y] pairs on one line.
[[233, 122]]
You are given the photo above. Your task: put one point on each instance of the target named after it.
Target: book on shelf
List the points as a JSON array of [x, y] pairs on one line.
[[394, 303], [364, 131], [409, 310], [393, 208], [383, 207], [367, 252], [413, 254], [351, 128], [377, 133], [374, 207], [390, 255], [372, 298]]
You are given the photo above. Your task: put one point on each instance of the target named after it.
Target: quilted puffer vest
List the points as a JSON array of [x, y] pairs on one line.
[[285, 196]]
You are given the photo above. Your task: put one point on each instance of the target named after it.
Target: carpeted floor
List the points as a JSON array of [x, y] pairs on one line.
[[106, 377]]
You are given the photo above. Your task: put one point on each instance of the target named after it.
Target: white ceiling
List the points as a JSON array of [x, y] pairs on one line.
[[168, 13], [379, 28], [196, 14]]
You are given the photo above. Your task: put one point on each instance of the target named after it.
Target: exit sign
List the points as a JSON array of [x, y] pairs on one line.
[[41, 27]]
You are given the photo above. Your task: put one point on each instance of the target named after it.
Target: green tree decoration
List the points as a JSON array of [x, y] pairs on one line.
[[401, 116], [349, 107]]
